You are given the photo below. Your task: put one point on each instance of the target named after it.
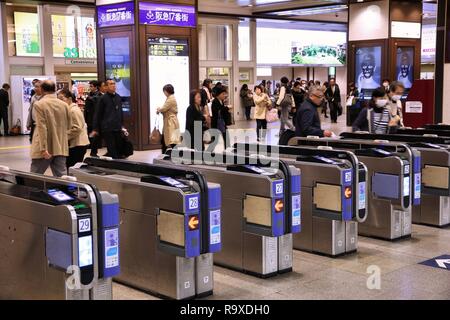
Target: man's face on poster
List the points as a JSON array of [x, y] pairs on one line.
[[405, 66], [368, 66]]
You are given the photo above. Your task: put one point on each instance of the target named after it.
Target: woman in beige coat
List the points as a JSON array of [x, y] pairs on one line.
[[171, 130], [262, 104], [77, 134]]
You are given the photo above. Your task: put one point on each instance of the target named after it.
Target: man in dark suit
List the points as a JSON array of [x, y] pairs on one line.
[[333, 95], [4, 104]]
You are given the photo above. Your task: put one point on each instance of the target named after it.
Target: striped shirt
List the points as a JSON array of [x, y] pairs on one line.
[[380, 121]]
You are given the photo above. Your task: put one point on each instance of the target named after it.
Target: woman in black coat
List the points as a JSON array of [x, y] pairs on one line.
[[220, 113], [195, 117]]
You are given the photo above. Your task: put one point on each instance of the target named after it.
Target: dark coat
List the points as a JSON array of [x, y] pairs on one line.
[[108, 116], [4, 99], [333, 98], [218, 106], [194, 115], [90, 107], [307, 122]]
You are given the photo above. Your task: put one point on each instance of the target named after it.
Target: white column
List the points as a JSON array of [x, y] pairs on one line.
[[46, 39], [4, 55]]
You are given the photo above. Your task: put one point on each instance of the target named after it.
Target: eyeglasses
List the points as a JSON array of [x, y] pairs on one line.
[[320, 97]]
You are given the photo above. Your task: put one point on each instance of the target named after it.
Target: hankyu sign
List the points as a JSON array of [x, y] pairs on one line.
[[118, 14], [167, 15]]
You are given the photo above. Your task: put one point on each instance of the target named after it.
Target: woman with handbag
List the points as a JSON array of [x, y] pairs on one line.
[[77, 134], [171, 129], [220, 113], [262, 104], [195, 118]]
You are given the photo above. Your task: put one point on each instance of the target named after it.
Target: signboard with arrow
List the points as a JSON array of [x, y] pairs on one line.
[[441, 262]]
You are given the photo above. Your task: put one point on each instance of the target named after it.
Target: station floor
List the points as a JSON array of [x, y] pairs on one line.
[[314, 276]]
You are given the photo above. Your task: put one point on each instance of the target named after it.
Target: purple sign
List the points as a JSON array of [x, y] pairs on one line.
[[118, 14], [167, 15]]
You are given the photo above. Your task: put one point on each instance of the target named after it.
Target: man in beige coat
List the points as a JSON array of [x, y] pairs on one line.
[[50, 145]]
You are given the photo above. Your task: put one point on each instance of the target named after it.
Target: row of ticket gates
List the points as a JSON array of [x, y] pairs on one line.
[[160, 227]]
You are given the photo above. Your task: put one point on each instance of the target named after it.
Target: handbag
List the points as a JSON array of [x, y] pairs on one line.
[[16, 129], [221, 123], [272, 115], [156, 136], [339, 109], [127, 149]]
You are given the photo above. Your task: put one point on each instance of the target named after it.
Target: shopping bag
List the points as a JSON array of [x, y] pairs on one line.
[[156, 136]]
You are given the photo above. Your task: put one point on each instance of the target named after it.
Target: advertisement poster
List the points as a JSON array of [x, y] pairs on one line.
[[301, 47], [169, 64], [63, 29], [314, 48], [28, 42], [86, 37], [428, 43], [368, 68], [117, 63], [405, 66]]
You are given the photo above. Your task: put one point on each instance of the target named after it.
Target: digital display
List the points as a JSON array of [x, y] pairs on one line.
[[173, 182], [368, 69], [362, 195], [406, 186], [300, 47], [63, 30], [168, 63], [59, 196], [296, 209], [405, 66], [85, 251]]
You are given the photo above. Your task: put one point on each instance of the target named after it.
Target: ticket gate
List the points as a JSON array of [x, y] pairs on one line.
[[170, 225], [59, 238], [434, 209], [391, 192], [437, 126], [331, 181], [260, 208]]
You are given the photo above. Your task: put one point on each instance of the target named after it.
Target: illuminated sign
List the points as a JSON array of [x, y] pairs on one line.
[[167, 15], [193, 223], [85, 251], [348, 192], [115, 14], [279, 205]]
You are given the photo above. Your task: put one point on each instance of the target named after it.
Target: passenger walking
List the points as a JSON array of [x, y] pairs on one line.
[[285, 103], [195, 118], [396, 90], [95, 140], [108, 120], [31, 120], [333, 96], [220, 113], [171, 129], [246, 100], [308, 119], [262, 105], [77, 134], [374, 118], [353, 102], [50, 145], [4, 105], [206, 95]]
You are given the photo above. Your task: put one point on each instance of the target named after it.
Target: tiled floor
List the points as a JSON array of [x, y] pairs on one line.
[[314, 276]]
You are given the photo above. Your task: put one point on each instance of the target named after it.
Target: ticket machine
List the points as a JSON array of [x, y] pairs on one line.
[[333, 196], [393, 182], [260, 208], [434, 208], [170, 225], [60, 238]]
